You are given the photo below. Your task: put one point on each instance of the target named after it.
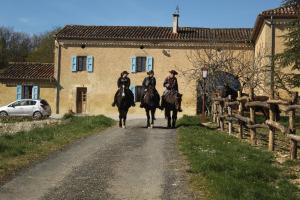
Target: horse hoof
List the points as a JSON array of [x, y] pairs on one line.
[[123, 127], [151, 126]]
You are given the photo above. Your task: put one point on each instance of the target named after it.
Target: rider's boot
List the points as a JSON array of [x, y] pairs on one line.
[[142, 103]]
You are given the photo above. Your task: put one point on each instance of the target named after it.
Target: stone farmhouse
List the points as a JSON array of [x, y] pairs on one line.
[[89, 59]]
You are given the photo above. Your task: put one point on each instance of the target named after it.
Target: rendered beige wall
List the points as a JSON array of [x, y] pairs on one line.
[[7, 94], [264, 43], [48, 93], [108, 64]]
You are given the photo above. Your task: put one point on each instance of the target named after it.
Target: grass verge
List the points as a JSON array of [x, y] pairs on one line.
[[231, 169], [17, 151]]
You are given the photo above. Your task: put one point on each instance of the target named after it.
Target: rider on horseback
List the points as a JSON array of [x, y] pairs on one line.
[[124, 80], [171, 85], [149, 81]]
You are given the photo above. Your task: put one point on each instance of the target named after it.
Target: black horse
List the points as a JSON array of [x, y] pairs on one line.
[[124, 102], [172, 104], [151, 102]]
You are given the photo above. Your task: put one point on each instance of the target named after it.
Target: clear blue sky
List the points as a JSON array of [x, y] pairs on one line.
[[36, 16]]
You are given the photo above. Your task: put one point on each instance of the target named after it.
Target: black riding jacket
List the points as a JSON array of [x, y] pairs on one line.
[[124, 81], [172, 83], [149, 81]]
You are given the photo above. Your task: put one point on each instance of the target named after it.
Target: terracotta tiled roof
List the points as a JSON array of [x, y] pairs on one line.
[[28, 71], [282, 12], [289, 12], [141, 33]]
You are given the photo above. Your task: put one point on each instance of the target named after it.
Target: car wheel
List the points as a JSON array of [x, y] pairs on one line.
[[3, 114], [37, 115]]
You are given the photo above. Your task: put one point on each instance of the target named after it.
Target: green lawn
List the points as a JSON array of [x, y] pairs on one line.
[[230, 169], [19, 150]]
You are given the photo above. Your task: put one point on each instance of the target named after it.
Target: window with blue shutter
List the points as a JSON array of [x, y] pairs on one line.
[[35, 92], [149, 63], [133, 64], [19, 92], [132, 88], [74, 63], [90, 64]]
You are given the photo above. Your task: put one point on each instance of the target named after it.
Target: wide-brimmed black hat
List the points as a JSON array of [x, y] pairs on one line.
[[173, 72], [150, 72], [124, 72]]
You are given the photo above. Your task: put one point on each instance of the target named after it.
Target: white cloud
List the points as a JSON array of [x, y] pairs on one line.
[[24, 20]]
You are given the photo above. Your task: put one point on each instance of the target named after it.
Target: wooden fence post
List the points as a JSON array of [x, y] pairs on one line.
[[217, 113], [221, 115], [252, 119], [292, 114], [292, 128], [229, 114], [214, 111], [240, 135], [271, 129], [293, 150]]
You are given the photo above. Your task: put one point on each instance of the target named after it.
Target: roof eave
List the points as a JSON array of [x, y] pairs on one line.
[[260, 20]]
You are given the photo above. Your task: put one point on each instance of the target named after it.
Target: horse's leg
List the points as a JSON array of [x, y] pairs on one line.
[[148, 117], [168, 116], [152, 117], [120, 118], [124, 118], [174, 118]]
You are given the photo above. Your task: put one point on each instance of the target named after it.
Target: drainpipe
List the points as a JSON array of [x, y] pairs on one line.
[[58, 87], [272, 59]]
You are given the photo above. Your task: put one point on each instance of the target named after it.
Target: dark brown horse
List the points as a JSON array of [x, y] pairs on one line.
[[172, 104], [123, 103], [151, 102]]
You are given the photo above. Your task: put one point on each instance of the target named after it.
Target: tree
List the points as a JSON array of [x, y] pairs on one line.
[[43, 50], [242, 64], [15, 45], [291, 55], [3, 54]]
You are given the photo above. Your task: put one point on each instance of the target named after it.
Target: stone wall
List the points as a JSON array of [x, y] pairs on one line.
[[13, 128]]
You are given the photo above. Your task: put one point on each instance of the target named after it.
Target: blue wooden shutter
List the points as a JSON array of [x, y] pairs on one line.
[[35, 92], [19, 92], [74, 63], [90, 64], [149, 63], [132, 88], [133, 64]]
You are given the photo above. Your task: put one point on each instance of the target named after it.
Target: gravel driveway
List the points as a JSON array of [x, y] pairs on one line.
[[132, 163]]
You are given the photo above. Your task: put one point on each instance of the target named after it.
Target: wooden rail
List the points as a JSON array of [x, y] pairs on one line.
[[222, 109]]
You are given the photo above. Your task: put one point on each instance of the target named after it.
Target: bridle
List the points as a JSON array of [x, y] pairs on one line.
[[123, 90]]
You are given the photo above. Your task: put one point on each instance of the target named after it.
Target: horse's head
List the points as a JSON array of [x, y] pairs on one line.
[[150, 92]]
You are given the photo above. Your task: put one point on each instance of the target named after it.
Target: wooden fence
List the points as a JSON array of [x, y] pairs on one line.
[[223, 112]]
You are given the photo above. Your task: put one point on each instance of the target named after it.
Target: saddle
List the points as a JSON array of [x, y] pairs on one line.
[[172, 96]]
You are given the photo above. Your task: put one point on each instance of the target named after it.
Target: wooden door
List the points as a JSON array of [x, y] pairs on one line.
[[81, 100]]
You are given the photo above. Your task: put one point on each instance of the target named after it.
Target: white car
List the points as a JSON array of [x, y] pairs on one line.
[[36, 109]]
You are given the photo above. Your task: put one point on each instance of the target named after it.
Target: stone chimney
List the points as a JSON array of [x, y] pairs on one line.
[[176, 20]]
